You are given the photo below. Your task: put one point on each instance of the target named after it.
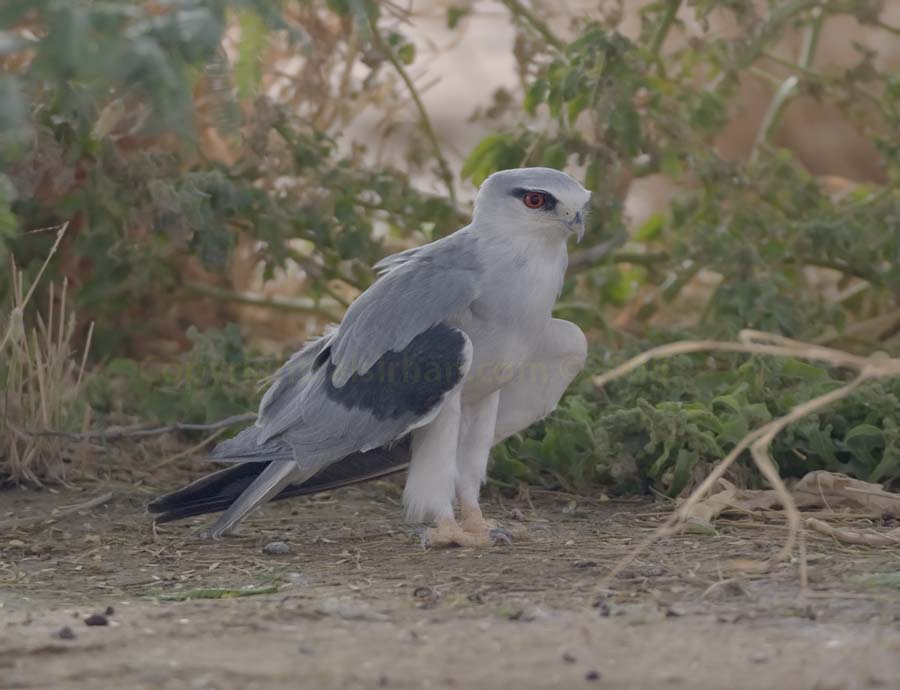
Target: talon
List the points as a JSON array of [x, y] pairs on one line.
[[498, 536]]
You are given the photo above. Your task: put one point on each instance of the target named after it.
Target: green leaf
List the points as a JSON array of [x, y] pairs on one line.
[[577, 106], [455, 15], [795, 368], [214, 245], [406, 53], [623, 283], [683, 465], [572, 84], [888, 467], [536, 94], [863, 431], [554, 156], [592, 174], [626, 126], [477, 165], [651, 228], [247, 75]]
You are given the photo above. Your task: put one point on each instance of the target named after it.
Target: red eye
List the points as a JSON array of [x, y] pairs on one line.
[[534, 199]]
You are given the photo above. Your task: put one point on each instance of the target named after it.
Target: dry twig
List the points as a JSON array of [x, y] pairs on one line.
[[758, 441], [117, 433], [56, 515], [847, 535]]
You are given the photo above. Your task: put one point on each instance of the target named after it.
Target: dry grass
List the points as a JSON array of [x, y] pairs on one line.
[[43, 379]]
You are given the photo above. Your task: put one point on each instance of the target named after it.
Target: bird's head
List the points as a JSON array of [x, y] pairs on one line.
[[538, 201]]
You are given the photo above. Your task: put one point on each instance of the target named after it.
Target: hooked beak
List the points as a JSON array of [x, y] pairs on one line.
[[576, 226]]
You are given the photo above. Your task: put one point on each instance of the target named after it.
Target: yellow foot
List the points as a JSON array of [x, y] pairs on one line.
[[474, 522], [450, 533]]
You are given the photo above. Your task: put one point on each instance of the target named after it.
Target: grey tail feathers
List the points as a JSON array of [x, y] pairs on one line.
[[218, 491], [276, 476]]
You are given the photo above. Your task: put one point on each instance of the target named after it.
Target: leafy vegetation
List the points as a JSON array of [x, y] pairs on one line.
[[103, 125], [179, 143], [674, 418]]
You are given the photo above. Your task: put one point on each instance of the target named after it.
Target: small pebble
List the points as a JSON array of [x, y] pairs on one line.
[[109, 611], [96, 619], [569, 659], [428, 597], [297, 579], [66, 633], [529, 614], [276, 548], [517, 514], [592, 675]]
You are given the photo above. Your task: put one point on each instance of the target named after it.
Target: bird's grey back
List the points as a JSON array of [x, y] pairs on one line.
[[418, 288]]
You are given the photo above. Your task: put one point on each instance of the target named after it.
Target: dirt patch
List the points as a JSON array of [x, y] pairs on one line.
[[351, 600]]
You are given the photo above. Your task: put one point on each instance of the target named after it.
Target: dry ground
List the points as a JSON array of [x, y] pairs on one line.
[[357, 603]]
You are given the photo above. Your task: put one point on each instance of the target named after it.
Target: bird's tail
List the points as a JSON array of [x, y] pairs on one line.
[[218, 491]]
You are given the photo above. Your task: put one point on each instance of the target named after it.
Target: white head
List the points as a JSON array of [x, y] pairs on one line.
[[533, 201]]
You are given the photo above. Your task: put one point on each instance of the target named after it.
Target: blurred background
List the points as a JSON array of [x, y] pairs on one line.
[[191, 188]]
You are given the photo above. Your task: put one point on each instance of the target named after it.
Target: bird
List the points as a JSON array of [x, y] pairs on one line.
[[451, 350]]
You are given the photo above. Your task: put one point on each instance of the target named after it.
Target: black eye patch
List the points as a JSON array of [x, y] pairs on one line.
[[550, 201]]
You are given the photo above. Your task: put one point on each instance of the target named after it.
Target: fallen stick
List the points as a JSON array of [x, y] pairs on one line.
[[56, 514], [117, 433], [847, 535]]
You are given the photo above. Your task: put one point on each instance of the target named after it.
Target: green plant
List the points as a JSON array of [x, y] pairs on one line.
[[216, 378], [129, 120]]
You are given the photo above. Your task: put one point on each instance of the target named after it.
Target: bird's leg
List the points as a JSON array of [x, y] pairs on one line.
[[473, 519], [476, 434], [432, 469], [471, 444]]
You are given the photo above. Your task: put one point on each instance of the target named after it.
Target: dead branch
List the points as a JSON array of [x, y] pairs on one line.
[[117, 433], [857, 537], [759, 440], [56, 514]]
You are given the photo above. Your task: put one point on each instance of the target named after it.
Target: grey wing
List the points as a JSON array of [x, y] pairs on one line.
[[419, 288], [381, 372], [293, 376], [402, 391], [310, 420], [391, 262]]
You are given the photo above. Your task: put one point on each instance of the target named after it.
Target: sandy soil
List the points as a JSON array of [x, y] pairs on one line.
[[357, 603]]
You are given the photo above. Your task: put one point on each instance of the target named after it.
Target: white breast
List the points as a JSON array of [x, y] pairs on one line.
[[512, 311]]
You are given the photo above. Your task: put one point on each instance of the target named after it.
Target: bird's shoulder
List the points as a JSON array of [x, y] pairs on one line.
[[458, 251]]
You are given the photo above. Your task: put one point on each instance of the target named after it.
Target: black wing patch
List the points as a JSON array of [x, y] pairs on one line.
[[406, 383]]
